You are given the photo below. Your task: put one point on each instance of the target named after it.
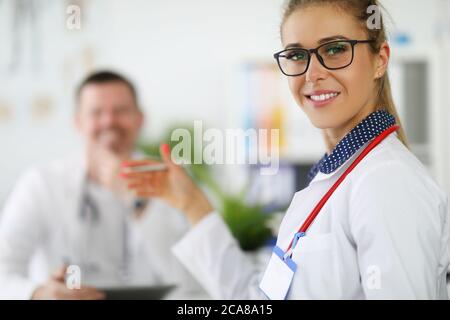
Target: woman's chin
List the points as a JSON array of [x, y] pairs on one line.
[[322, 121]]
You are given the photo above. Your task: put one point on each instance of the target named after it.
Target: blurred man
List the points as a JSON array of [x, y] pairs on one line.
[[77, 211]]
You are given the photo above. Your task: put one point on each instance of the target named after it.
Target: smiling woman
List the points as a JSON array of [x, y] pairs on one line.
[[371, 224], [359, 81]]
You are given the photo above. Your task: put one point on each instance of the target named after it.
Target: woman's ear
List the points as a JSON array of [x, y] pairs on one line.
[[382, 60]]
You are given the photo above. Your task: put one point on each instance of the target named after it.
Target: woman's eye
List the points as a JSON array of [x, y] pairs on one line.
[[335, 49], [296, 56]]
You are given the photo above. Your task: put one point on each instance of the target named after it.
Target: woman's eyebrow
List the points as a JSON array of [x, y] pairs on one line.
[[321, 41], [328, 39]]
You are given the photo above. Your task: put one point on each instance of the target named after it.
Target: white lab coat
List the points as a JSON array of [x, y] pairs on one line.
[[40, 227], [384, 234]]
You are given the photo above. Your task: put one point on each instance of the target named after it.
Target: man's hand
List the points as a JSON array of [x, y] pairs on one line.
[[104, 168], [55, 289], [173, 185]]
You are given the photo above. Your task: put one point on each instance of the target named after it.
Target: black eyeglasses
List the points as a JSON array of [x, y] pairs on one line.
[[332, 55]]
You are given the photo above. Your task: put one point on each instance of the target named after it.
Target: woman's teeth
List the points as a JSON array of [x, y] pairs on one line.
[[324, 97]]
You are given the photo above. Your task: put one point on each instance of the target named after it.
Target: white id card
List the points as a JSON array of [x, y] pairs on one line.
[[278, 276]]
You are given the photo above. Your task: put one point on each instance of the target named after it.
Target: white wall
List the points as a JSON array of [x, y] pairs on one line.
[[183, 56], [184, 52]]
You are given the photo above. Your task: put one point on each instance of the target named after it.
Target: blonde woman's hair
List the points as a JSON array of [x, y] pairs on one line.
[[358, 8]]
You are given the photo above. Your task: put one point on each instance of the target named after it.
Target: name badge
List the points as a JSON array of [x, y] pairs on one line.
[[278, 276]]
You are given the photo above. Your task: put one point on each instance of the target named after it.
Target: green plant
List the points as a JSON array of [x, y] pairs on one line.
[[247, 223]]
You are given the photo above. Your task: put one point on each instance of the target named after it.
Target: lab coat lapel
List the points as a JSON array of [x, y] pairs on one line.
[[75, 179], [301, 206], [323, 176], [305, 200], [339, 171]]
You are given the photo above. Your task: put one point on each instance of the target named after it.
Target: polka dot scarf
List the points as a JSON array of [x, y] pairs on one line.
[[364, 132]]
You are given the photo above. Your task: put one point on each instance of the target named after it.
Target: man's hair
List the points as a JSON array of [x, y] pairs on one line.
[[105, 76]]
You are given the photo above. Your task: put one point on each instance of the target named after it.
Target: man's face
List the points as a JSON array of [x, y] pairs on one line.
[[108, 117]]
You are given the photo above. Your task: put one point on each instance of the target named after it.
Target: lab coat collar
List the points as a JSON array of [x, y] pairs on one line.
[[78, 167], [320, 176], [76, 170], [353, 143], [80, 161]]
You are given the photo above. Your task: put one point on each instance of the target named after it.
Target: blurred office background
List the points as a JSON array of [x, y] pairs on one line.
[[204, 60]]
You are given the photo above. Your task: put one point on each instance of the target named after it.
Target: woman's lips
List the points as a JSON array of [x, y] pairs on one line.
[[321, 99]]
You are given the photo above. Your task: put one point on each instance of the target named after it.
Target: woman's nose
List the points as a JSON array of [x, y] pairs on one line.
[[316, 71]]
